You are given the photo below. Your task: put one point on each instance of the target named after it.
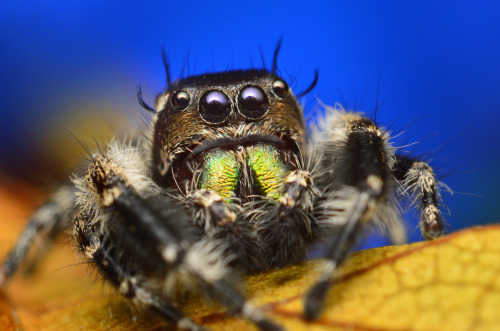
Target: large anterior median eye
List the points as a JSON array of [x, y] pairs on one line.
[[215, 107], [253, 102]]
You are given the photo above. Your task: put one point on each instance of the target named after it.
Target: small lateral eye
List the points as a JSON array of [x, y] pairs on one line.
[[215, 107], [180, 100], [253, 102], [280, 88]]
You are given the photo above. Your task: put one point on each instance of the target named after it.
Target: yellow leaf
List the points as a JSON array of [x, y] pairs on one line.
[[451, 283]]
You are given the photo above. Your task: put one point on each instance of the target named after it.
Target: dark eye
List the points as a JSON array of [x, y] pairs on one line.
[[253, 102], [180, 100], [280, 88], [215, 107]]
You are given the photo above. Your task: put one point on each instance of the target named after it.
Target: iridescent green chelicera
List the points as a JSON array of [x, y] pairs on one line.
[[220, 173], [268, 169]]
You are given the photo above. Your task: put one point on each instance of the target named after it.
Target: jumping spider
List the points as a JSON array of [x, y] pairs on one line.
[[229, 183]]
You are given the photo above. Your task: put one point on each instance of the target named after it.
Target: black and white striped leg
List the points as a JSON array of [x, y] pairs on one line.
[[163, 232], [285, 227], [360, 160], [419, 181], [48, 219], [102, 253]]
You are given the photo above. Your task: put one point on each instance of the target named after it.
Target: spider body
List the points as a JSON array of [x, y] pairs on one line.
[[229, 182]]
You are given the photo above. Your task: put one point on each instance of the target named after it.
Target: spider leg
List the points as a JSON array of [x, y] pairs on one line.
[[418, 179], [358, 157], [99, 250], [163, 230], [50, 219]]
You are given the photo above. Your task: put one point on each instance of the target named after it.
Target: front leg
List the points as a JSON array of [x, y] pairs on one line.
[[97, 246]]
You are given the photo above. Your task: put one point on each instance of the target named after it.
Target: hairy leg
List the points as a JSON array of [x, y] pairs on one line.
[[103, 254], [49, 219], [419, 182], [357, 160]]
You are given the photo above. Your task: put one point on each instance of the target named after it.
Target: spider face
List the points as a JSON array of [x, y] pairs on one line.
[[235, 133]]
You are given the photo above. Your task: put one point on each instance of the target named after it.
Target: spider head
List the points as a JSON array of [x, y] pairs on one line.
[[222, 111]]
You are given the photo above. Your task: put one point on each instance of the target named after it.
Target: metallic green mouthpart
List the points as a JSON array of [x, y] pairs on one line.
[[268, 169], [220, 173]]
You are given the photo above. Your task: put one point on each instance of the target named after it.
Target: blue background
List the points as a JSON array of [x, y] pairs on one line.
[[438, 64]]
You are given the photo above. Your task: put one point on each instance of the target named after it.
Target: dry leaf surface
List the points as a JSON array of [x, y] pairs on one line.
[[452, 283]]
